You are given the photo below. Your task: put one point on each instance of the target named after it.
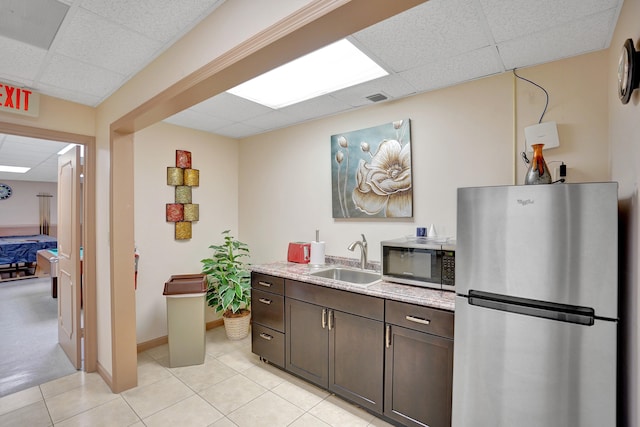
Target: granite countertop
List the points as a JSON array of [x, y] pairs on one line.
[[411, 294]]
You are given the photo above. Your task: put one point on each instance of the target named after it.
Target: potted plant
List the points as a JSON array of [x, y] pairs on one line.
[[229, 285]]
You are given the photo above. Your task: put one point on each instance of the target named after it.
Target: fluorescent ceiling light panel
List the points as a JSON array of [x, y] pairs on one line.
[[65, 149], [326, 70], [13, 169]]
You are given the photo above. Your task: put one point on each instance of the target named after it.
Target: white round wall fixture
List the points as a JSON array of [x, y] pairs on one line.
[[628, 71]]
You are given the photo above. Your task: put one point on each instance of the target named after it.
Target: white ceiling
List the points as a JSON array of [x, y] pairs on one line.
[[102, 44]]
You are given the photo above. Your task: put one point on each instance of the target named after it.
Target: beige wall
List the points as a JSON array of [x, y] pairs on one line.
[[624, 136], [215, 35], [23, 207], [161, 256], [461, 136], [578, 103], [58, 115]]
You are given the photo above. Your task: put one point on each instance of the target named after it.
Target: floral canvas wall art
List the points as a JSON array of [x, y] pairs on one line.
[[371, 172]]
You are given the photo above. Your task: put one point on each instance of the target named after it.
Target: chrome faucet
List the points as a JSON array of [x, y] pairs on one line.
[[363, 251]]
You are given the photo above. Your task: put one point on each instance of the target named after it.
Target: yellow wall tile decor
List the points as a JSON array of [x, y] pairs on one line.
[[191, 177], [191, 212], [183, 159], [182, 212], [174, 176], [175, 212], [183, 194], [183, 230]]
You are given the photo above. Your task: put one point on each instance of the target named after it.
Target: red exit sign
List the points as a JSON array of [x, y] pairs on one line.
[[19, 100]]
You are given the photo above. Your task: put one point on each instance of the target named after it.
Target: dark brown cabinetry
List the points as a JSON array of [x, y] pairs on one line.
[[419, 365], [334, 339], [267, 307], [392, 358]]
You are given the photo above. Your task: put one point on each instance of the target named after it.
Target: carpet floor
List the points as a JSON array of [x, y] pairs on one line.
[[29, 350]]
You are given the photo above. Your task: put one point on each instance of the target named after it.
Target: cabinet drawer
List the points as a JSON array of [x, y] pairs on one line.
[[267, 309], [268, 343], [267, 283], [420, 318]]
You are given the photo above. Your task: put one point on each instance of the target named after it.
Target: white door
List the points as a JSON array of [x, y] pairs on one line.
[[69, 284]]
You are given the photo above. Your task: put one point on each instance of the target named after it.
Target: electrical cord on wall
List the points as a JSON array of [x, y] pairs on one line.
[[524, 154]]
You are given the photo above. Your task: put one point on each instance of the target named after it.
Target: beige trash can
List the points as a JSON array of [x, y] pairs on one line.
[[186, 319]]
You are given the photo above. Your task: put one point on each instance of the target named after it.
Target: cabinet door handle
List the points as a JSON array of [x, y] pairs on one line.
[[418, 320], [265, 284], [330, 319], [387, 336], [266, 336], [324, 318], [265, 301]]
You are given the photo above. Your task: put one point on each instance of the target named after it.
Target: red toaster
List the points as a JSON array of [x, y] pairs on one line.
[[299, 252]]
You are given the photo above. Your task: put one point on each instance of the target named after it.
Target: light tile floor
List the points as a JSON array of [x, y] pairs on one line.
[[232, 388]]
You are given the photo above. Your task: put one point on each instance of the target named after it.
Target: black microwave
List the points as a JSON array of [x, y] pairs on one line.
[[419, 262]]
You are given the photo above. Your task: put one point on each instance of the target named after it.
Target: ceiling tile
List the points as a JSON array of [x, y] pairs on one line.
[[424, 34], [6, 176], [238, 130], [473, 65], [25, 61], [231, 107], [586, 35], [392, 86], [41, 175], [70, 94], [35, 22], [17, 139], [315, 108], [161, 20], [272, 120], [93, 40], [197, 120], [67, 73], [40, 155], [33, 143], [514, 18]]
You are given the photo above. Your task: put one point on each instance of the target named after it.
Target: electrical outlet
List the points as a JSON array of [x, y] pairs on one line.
[[560, 172]]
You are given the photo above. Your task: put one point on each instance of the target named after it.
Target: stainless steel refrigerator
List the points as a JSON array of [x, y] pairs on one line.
[[536, 311]]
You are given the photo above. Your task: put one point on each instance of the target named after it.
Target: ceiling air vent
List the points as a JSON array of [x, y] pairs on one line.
[[376, 97]]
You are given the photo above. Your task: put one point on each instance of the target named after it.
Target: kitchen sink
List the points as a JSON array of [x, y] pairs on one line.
[[350, 275]]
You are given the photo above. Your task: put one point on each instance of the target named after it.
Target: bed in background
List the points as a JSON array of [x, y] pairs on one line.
[[18, 254]]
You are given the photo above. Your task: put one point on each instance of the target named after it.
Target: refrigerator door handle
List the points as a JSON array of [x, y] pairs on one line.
[[560, 312]]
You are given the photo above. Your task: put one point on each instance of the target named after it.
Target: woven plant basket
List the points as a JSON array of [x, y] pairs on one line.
[[237, 328]]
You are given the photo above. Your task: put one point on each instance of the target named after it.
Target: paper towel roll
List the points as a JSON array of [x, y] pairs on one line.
[[317, 253]]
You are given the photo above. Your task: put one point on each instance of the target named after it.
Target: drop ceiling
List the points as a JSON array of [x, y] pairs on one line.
[[100, 45]]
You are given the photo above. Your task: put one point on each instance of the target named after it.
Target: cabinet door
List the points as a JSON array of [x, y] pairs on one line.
[[418, 378], [356, 359], [307, 342]]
